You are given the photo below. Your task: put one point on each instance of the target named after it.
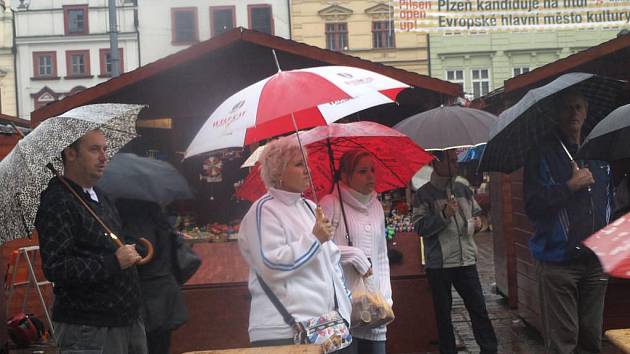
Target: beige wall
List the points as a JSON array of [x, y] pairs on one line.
[[308, 26], [7, 72]]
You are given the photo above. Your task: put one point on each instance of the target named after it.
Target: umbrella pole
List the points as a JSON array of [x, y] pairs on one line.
[[451, 196], [308, 170], [589, 188], [109, 232], [331, 158]]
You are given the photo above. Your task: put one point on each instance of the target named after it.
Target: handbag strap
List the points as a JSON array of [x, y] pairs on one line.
[[286, 316]]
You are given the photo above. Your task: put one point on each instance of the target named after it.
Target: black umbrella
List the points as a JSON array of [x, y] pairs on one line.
[[130, 176], [610, 139], [532, 119], [449, 127]]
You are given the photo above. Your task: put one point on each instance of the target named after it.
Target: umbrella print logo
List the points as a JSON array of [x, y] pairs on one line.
[[237, 106], [235, 114], [355, 81]]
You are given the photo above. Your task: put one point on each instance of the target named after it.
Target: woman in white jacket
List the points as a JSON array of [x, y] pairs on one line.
[[285, 240], [366, 230]]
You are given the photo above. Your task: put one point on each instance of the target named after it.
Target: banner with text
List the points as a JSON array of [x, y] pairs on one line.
[[508, 15]]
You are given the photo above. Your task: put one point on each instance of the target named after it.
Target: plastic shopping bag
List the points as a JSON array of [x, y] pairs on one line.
[[369, 307]]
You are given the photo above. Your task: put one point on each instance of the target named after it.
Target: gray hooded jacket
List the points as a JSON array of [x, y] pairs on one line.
[[448, 242]]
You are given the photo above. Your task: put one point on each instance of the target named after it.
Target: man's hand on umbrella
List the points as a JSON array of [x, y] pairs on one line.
[[323, 229], [451, 207], [127, 256], [580, 179]]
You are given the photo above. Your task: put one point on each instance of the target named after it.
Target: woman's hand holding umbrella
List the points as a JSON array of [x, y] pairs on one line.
[[323, 229]]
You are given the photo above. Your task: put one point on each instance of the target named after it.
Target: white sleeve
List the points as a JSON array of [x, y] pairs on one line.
[[263, 242], [383, 261]]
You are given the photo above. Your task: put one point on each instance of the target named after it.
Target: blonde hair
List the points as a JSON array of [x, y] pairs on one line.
[[275, 157], [350, 159]]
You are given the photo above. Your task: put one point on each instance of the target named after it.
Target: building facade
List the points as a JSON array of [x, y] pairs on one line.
[[168, 26], [8, 103], [363, 28], [62, 47], [482, 61]]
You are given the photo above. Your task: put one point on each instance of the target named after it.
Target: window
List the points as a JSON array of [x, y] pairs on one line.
[[44, 97], [222, 18], [106, 62], [184, 25], [480, 82], [45, 64], [260, 18], [456, 76], [78, 63], [76, 19], [521, 70], [337, 36], [383, 34]]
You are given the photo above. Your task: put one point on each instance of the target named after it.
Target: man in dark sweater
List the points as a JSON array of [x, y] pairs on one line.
[[97, 293], [566, 202]]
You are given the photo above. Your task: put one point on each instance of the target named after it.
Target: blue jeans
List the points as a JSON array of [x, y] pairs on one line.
[[466, 282], [82, 339]]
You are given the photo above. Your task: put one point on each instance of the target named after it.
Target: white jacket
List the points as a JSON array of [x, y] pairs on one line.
[[277, 242], [366, 225]]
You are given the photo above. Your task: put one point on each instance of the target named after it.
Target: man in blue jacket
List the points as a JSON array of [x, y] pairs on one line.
[[567, 201]]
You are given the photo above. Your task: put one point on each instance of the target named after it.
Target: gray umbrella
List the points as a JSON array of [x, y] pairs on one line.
[[133, 177], [448, 127], [532, 119], [23, 173], [610, 139]]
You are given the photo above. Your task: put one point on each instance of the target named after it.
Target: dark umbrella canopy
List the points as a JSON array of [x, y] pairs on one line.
[[610, 139], [130, 176], [448, 127], [533, 118]]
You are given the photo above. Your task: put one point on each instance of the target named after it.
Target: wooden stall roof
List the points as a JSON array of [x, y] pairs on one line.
[[239, 37], [610, 59], [5, 118]]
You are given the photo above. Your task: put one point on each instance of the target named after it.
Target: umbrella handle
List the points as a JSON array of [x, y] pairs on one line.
[[149, 248], [146, 243]]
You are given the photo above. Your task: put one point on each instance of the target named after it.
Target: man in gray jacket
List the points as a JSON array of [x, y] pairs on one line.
[[443, 211]]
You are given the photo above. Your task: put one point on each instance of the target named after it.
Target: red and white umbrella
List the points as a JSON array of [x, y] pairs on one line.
[[310, 97], [396, 157], [612, 246]]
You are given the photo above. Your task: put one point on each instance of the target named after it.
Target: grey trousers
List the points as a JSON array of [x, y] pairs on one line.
[[81, 339], [572, 304], [365, 346]]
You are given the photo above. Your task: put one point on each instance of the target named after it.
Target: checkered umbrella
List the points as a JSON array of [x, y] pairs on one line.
[[532, 119], [23, 173]]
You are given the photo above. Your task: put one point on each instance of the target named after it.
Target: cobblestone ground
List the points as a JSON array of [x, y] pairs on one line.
[[514, 335]]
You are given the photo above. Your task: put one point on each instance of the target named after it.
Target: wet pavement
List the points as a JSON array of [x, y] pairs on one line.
[[514, 335]]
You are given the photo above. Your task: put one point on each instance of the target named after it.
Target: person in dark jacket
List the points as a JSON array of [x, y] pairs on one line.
[[443, 211], [97, 293], [567, 201], [164, 309]]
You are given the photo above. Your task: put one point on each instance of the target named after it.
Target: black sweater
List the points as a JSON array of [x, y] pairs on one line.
[[89, 286]]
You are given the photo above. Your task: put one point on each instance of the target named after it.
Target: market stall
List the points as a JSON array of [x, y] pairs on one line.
[[181, 91], [218, 301]]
